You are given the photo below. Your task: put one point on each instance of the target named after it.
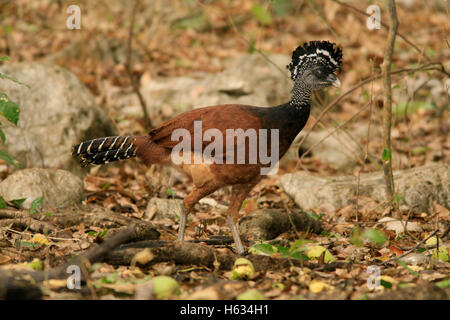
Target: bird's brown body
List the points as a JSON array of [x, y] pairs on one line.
[[156, 147]]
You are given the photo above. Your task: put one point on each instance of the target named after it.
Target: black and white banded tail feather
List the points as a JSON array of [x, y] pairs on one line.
[[105, 150]]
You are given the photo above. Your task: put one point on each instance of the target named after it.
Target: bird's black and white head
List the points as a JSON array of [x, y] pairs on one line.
[[314, 64]]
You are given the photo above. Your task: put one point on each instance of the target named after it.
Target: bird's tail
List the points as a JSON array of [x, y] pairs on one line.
[[104, 150]]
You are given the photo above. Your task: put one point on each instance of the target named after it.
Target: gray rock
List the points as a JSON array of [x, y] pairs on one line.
[[250, 79], [415, 259], [58, 188], [163, 209], [399, 226], [56, 112], [419, 186]]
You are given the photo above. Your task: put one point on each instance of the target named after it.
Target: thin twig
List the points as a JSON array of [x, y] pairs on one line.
[[133, 79], [387, 106]]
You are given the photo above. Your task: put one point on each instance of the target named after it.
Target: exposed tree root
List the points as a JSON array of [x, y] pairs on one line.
[[186, 253], [52, 223], [12, 288]]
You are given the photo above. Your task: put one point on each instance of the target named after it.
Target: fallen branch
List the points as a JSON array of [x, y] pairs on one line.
[[222, 241], [96, 253]]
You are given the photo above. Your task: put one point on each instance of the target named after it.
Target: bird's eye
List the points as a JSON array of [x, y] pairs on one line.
[[319, 73]]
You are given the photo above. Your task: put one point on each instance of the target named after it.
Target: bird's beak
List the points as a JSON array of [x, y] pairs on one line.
[[334, 81]]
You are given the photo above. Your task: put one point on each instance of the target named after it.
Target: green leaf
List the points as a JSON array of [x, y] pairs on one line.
[[2, 203], [300, 244], [442, 254], [386, 156], [312, 215], [2, 135], [444, 283], [9, 109], [385, 284], [4, 58], [251, 46], [356, 237], [262, 14], [420, 150], [9, 160], [397, 198], [110, 278], [105, 186], [170, 192], [103, 233], [36, 264], [298, 255], [284, 252], [36, 204], [264, 248], [292, 252], [18, 202], [316, 251], [375, 235]]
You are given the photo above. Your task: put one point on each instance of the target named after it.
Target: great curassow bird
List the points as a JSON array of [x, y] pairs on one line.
[[312, 68]]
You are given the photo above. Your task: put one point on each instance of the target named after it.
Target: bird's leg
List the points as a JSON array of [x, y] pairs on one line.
[[238, 195], [188, 203], [235, 233]]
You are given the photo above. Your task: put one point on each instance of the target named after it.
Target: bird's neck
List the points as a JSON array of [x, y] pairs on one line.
[[291, 117], [301, 94]]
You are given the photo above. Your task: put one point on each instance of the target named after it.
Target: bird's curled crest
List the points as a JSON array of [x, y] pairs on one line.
[[316, 52]]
